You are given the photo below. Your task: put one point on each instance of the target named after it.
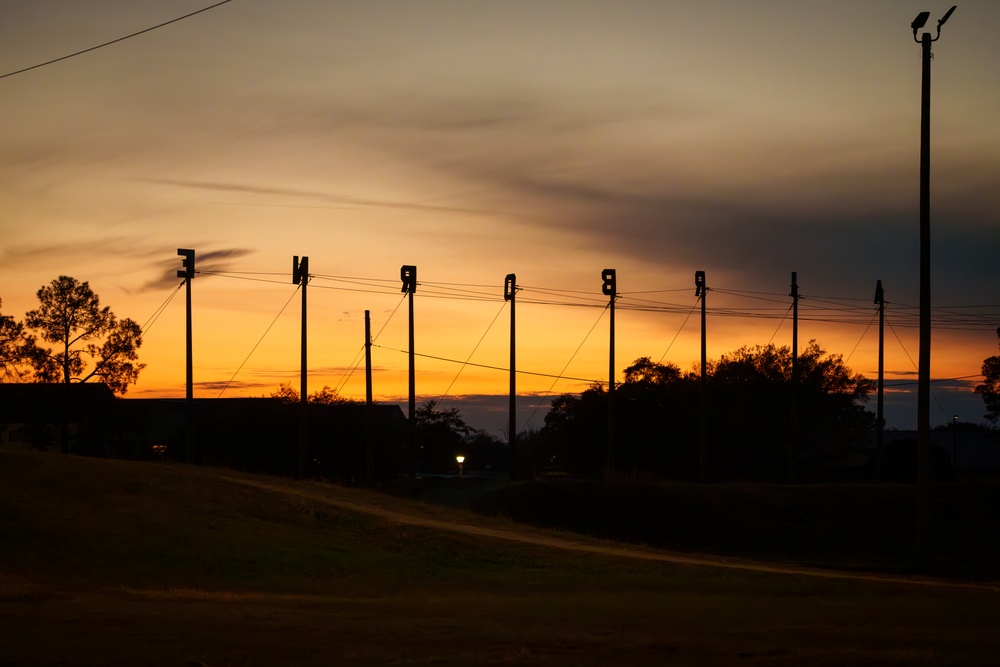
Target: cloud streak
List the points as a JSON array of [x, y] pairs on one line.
[[206, 263]]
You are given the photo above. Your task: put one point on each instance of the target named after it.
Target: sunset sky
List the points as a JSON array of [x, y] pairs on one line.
[[551, 139]]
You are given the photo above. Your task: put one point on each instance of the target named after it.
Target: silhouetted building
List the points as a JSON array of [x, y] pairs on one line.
[[262, 435], [347, 442], [38, 415]]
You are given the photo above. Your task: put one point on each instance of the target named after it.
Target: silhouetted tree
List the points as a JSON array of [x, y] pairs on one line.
[[286, 393], [655, 428], [573, 437], [645, 372], [657, 416], [70, 315], [990, 388], [441, 435], [750, 422], [11, 348], [484, 451]]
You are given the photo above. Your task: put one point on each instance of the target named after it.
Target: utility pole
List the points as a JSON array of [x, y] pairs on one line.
[[793, 440], [300, 276], [188, 274], [924, 354], [408, 274], [509, 292], [880, 405], [700, 290], [610, 289], [369, 454]]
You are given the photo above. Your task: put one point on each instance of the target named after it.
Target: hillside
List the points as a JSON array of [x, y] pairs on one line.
[[111, 562], [853, 527]]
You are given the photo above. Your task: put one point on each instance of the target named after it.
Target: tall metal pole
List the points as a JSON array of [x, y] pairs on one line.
[[188, 274], [924, 354], [880, 404], [700, 289], [610, 289], [300, 276], [189, 345], [368, 358], [509, 292], [369, 453], [793, 440], [408, 274]]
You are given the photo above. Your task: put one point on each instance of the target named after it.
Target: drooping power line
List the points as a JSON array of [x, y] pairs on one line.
[[113, 41]]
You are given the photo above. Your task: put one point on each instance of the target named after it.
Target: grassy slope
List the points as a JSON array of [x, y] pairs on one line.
[[110, 562]]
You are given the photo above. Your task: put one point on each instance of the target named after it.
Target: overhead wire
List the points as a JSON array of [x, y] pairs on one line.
[[563, 371], [830, 310], [357, 358], [159, 311], [683, 324], [490, 367], [297, 287], [221, 274], [113, 41], [769, 341], [863, 334], [906, 352], [469, 358]]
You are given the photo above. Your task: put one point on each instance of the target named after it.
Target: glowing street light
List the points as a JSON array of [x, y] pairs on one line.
[[461, 460]]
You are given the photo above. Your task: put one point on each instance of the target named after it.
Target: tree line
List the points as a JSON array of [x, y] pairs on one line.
[[748, 402]]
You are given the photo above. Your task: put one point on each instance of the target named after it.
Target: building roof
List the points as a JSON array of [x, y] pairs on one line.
[[43, 402]]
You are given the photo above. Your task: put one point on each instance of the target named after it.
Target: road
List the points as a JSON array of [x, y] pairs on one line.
[[581, 544]]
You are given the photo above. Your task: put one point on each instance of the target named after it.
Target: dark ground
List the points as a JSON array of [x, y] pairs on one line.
[[845, 526]]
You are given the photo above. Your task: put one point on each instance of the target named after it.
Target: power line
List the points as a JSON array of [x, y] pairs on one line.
[[573, 356], [492, 368], [831, 310], [905, 383], [946, 318], [683, 324], [241, 277], [480, 342], [159, 311], [779, 325], [114, 41], [357, 358], [260, 340], [863, 334]]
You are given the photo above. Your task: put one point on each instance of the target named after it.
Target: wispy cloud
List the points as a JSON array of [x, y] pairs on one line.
[[331, 200], [212, 261]]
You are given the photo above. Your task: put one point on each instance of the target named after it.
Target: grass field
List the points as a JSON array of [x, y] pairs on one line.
[[111, 562]]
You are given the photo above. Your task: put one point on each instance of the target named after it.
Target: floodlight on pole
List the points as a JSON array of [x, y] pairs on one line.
[[946, 16], [921, 21], [924, 354]]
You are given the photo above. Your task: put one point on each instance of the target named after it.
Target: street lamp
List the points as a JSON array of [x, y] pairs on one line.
[[461, 460], [924, 357]]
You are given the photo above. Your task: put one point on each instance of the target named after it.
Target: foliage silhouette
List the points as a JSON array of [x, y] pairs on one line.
[[70, 315], [990, 388], [286, 393], [749, 392], [11, 348], [442, 435]]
